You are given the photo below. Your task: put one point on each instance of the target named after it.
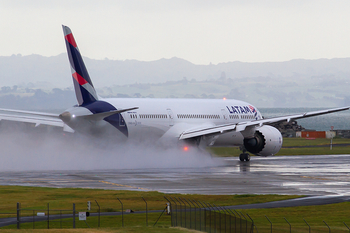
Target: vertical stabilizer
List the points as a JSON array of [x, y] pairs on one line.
[[84, 90]]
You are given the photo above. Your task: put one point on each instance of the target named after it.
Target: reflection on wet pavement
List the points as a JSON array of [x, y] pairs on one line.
[[307, 175]]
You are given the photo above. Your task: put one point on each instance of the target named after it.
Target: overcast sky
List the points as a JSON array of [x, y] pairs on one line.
[[200, 31]]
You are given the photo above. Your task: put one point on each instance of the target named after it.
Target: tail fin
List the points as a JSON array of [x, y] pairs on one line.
[[84, 90]]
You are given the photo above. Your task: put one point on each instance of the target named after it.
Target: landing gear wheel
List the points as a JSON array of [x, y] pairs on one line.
[[244, 157], [241, 157]]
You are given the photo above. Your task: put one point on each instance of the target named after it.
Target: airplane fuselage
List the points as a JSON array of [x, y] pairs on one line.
[[165, 119]]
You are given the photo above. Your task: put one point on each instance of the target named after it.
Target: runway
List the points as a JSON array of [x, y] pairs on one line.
[[303, 175]]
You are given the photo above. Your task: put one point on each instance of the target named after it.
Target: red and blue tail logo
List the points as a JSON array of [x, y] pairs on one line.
[[84, 89]]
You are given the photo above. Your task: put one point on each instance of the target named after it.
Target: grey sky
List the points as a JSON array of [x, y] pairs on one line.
[[200, 31]]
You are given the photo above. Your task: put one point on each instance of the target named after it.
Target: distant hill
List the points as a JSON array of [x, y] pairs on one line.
[[295, 83], [17, 69]]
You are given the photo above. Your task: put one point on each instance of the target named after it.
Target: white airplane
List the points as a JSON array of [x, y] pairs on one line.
[[197, 122]]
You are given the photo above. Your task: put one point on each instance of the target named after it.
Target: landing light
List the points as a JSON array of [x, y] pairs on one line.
[[185, 148], [224, 98]]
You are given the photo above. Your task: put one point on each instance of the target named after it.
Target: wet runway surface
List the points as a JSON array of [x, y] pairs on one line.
[[306, 175]]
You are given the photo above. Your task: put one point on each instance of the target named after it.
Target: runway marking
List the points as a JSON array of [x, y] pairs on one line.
[[314, 178], [123, 185]]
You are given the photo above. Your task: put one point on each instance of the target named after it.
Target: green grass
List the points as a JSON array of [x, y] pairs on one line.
[[130, 220], [315, 151], [32, 197], [36, 198], [106, 229], [294, 143], [334, 215], [313, 142], [63, 198]]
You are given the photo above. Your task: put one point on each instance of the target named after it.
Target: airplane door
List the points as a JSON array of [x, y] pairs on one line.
[[171, 117], [224, 114]]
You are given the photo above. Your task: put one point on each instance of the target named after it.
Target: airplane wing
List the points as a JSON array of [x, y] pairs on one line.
[[241, 126]]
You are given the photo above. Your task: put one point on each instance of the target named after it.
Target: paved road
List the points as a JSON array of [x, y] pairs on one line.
[[305, 175], [305, 201]]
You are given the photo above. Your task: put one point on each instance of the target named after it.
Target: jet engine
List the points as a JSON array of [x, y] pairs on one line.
[[267, 140]]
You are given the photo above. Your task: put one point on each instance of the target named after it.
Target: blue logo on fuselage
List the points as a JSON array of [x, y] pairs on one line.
[[244, 110], [239, 109]]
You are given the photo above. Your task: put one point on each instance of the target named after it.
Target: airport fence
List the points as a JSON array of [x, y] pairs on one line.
[[92, 217], [55, 218], [206, 217], [181, 212]]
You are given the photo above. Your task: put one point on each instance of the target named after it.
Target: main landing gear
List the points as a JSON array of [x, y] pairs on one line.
[[244, 157]]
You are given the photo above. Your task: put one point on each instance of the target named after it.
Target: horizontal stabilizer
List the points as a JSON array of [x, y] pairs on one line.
[[103, 115]]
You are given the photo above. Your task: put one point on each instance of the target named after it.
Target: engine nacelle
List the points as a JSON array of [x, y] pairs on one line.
[[267, 141]]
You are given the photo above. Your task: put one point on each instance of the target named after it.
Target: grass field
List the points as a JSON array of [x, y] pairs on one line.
[[288, 142], [334, 215], [294, 147], [107, 230], [31, 197], [63, 198], [37, 198]]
